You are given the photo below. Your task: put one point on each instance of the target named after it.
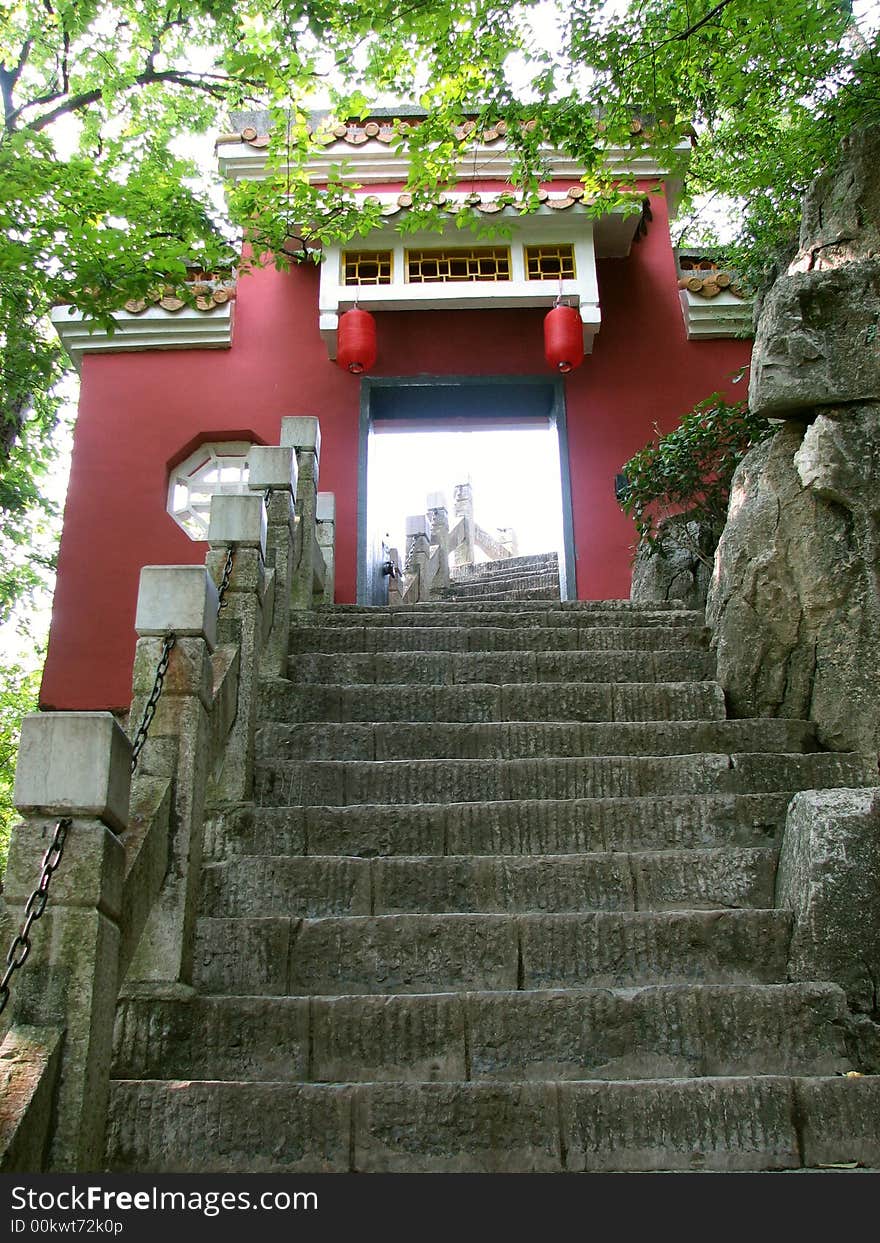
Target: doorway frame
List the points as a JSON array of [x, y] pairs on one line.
[[557, 415]]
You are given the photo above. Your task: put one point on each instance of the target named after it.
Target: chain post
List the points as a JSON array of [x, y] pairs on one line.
[[150, 708], [34, 908]]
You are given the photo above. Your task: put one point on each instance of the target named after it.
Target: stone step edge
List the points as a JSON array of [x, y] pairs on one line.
[[746, 884], [143, 991], [556, 1126], [687, 852], [798, 738]]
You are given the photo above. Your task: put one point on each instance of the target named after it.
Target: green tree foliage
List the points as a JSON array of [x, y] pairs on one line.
[[688, 473], [18, 696], [97, 204]]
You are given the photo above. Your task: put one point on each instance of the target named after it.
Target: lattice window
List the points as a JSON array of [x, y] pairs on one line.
[[212, 469], [477, 263], [550, 263], [366, 267]]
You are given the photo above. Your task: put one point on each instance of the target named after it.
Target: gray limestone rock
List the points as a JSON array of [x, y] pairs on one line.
[[841, 214], [817, 334], [829, 876], [677, 571], [817, 341], [794, 604]]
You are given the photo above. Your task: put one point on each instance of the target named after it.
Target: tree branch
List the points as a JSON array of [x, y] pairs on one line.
[[216, 84]]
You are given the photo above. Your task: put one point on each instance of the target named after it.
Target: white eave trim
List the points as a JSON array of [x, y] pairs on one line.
[[725, 315], [153, 329], [571, 225], [374, 162]]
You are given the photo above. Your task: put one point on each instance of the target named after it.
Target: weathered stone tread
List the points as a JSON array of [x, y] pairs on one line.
[[725, 1124], [648, 1033], [416, 953], [320, 886]]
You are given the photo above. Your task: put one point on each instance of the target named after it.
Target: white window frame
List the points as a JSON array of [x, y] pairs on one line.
[[213, 456]]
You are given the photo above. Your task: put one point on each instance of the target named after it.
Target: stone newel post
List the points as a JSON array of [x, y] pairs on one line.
[[272, 470], [239, 522], [417, 551], [438, 520], [181, 599], [463, 504], [76, 765], [325, 518], [303, 434]]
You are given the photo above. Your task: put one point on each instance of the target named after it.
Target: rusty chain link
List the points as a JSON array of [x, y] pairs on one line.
[[227, 574], [150, 708], [34, 908]]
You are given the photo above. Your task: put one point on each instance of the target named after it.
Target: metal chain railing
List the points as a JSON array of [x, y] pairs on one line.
[[227, 574], [34, 908], [150, 707], [36, 903]]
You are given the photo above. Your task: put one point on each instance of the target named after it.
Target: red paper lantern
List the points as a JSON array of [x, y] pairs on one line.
[[356, 341], [563, 338]]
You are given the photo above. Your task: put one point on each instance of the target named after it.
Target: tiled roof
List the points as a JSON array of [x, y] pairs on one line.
[[711, 284], [388, 130], [704, 273], [208, 296], [489, 203]]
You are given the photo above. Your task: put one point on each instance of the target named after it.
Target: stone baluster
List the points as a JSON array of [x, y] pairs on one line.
[[181, 599], [303, 434], [77, 765], [272, 470], [438, 524], [325, 516], [246, 618]]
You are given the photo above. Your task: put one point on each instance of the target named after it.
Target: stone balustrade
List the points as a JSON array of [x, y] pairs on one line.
[[432, 547], [122, 905]]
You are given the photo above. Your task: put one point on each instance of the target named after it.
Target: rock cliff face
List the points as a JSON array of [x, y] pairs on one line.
[[678, 573], [794, 603]]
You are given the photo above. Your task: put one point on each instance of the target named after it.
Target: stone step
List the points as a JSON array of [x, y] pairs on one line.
[[451, 668], [527, 827], [435, 615], [661, 1032], [283, 700], [514, 586], [620, 607], [315, 886], [510, 590], [334, 639], [277, 956], [722, 1123], [278, 742], [389, 782], [508, 565]]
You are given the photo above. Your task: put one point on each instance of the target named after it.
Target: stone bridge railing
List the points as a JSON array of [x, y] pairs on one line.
[[122, 902]]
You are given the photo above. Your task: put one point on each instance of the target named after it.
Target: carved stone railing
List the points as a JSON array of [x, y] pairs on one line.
[[124, 897], [434, 551]]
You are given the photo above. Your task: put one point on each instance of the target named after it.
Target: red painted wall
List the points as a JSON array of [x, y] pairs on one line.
[[138, 411]]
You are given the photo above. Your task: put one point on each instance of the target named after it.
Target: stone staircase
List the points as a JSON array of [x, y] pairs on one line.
[[504, 903], [517, 578]]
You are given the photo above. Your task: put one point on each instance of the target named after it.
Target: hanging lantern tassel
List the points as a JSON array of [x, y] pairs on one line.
[[563, 338], [356, 341]]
